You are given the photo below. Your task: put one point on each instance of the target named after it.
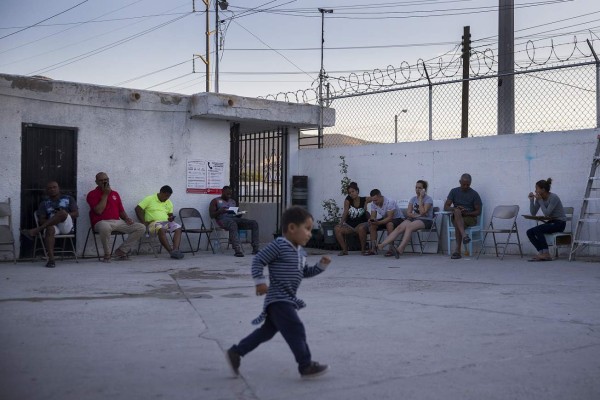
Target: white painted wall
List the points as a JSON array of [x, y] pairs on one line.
[[504, 170], [141, 145]]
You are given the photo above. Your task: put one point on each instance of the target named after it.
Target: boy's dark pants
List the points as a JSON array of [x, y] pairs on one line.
[[281, 317]]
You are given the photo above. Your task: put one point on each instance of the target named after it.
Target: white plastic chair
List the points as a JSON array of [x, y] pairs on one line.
[[505, 219]]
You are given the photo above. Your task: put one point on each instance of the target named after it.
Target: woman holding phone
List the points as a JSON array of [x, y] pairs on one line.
[[354, 214], [418, 216]]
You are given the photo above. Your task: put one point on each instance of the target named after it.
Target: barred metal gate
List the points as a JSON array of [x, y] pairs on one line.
[[258, 172]]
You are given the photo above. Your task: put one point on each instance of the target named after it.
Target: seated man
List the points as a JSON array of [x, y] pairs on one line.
[[56, 215], [107, 215], [391, 217], [230, 221], [156, 212], [467, 207]]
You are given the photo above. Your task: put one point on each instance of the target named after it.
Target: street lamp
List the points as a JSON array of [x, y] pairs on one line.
[[396, 125]]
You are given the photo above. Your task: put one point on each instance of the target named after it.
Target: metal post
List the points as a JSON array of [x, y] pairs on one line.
[[506, 67], [597, 83], [430, 102], [321, 74], [466, 57], [396, 128]]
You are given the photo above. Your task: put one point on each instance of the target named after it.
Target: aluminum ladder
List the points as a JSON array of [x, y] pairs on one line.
[[589, 216]]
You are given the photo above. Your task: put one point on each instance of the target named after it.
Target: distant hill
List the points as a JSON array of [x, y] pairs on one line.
[[333, 140]]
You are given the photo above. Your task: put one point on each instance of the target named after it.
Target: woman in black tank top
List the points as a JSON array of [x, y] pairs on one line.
[[353, 216]]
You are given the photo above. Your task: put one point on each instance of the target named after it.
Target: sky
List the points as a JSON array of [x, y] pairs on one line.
[[268, 46]]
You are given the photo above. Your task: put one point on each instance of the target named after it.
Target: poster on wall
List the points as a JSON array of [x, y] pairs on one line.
[[205, 177]]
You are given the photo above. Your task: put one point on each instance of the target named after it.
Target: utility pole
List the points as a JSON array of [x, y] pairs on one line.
[[222, 4], [321, 76], [206, 59], [506, 67], [466, 57]]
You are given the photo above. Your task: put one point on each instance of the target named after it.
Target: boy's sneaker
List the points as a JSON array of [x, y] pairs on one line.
[[314, 370], [233, 359]]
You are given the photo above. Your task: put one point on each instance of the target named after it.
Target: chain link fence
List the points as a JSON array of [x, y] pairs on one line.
[[546, 99]]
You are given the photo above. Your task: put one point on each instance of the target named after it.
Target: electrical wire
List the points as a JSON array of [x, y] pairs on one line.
[[44, 20]]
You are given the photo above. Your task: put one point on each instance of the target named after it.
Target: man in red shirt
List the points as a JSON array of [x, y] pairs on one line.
[[108, 215]]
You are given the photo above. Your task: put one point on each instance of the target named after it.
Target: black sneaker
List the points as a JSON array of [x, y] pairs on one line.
[[233, 359], [50, 264], [314, 370]]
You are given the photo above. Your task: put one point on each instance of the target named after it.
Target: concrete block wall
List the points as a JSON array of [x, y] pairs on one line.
[[504, 170]]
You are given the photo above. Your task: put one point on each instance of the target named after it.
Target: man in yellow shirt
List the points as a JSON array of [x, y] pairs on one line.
[[156, 212]]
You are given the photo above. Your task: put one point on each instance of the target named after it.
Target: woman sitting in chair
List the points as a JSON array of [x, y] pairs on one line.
[[354, 214], [418, 216], [552, 208]]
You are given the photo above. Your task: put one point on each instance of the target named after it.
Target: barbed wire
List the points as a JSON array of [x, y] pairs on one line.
[[482, 62]]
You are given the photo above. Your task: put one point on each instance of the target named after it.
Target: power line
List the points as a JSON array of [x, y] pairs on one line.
[[153, 72], [104, 48], [37, 23]]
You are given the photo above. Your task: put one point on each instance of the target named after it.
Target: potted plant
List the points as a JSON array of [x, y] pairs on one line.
[[331, 210]]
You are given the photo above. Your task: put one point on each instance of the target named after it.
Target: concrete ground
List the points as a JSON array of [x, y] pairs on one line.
[[422, 327]]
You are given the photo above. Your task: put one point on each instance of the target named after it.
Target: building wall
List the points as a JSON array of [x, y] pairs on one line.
[[504, 170], [142, 144]]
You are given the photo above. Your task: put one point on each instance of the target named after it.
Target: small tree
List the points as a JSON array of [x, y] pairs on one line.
[[331, 209]]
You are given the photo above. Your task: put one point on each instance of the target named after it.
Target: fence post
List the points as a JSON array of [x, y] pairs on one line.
[[597, 83], [430, 102]]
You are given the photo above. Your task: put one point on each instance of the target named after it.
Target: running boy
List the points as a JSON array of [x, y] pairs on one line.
[[287, 264]]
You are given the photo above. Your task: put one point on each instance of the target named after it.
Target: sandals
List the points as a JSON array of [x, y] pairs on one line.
[[121, 256], [395, 252], [106, 260], [343, 253], [389, 253], [455, 256], [370, 252]]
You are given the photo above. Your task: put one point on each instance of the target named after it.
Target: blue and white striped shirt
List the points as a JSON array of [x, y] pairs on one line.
[[287, 266]]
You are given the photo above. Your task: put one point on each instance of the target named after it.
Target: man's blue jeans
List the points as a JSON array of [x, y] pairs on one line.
[[281, 317], [536, 235]]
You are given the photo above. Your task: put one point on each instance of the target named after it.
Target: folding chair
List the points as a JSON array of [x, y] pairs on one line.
[[222, 236], [6, 234], [474, 233], [94, 233], [562, 239], [433, 229], [192, 222], [505, 219], [66, 237]]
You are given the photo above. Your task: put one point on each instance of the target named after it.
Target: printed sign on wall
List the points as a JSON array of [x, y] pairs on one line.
[[205, 177]]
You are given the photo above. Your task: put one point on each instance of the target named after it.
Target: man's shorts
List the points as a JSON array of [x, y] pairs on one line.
[[65, 227], [395, 221], [154, 227], [469, 220]]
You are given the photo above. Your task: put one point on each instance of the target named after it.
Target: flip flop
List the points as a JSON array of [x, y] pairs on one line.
[[121, 256], [389, 253], [455, 256], [343, 253], [370, 253], [106, 260], [395, 251]]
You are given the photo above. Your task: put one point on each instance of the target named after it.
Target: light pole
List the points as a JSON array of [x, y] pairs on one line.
[[396, 125], [222, 4], [321, 74]]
